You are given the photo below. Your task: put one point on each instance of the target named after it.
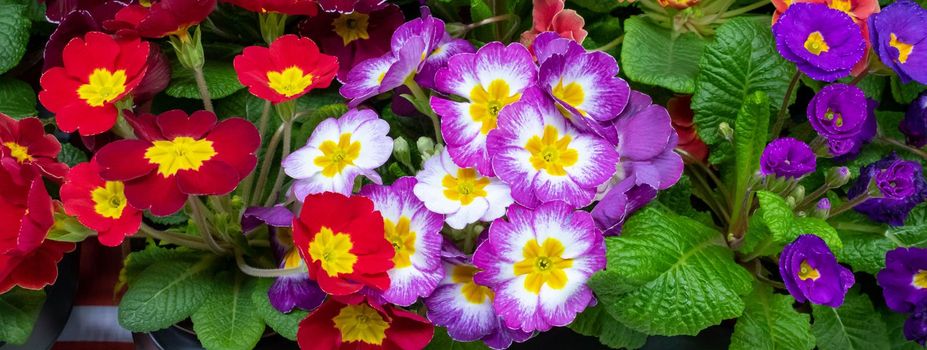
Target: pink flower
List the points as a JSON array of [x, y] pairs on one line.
[[550, 16]]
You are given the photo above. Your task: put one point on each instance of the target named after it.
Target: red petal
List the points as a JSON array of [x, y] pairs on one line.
[[132, 57], [235, 141], [126, 225], [86, 119], [176, 123], [36, 270], [317, 331], [156, 193], [213, 177], [96, 50], [38, 217], [124, 160], [408, 330], [144, 125], [58, 89]]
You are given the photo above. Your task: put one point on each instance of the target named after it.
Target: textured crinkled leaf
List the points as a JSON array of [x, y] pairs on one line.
[[853, 326], [895, 324], [443, 341], [17, 99], [14, 34], [165, 293], [786, 227], [864, 252], [136, 262], [19, 309], [758, 241], [652, 55], [71, 155], [770, 322], [905, 93], [221, 80], [670, 275], [284, 324], [596, 322], [679, 200], [750, 129], [228, 319], [742, 59]]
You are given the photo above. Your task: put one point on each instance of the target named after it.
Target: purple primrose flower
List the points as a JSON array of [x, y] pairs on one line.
[[811, 272]]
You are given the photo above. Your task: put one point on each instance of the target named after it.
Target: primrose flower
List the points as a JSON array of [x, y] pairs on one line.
[[915, 327], [24, 143], [26, 214], [811, 272], [542, 158], [904, 278], [787, 157], [177, 155], [645, 140], [353, 37], [843, 116], [98, 71], [159, 18], [99, 204], [550, 16], [489, 80], [342, 240], [823, 42], [537, 262], [466, 308], [680, 110], [337, 152], [914, 125], [411, 44], [415, 234], [335, 325], [901, 184], [619, 202], [678, 4], [289, 7], [898, 35], [288, 69], [33, 270], [585, 87], [462, 194], [859, 10], [448, 47]]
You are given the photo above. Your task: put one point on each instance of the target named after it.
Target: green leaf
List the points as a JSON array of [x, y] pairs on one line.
[[165, 293], [905, 93], [601, 6], [14, 35], [596, 322], [67, 229], [655, 56], [442, 341], [174, 219], [742, 59], [670, 275], [770, 322], [138, 261], [864, 252], [228, 320], [284, 324], [786, 227], [895, 324], [750, 129], [17, 99], [853, 326], [220, 79], [71, 155], [19, 309]]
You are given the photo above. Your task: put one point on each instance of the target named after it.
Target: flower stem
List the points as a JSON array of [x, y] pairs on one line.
[[196, 207], [248, 182], [903, 146], [809, 199], [172, 238], [849, 205], [424, 107], [745, 9], [611, 44], [265, 166], [265, 273], [278, 182], [849, 226], [784, 108], [859, 77], [201, 86]]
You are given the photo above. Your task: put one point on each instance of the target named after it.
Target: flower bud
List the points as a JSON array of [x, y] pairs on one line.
[[822, 209], [426, 147], [836, 177], [726, 131], [402, 152]]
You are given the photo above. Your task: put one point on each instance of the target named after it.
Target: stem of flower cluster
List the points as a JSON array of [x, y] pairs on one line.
[[745, 9], [811, 198], [172, 238], [248, 182], [611, 44], [849, 205], [784, 108], [265, 166], [287, 143], [422, 98], [199, 217], [903, 146], [265, 273], [201, 86]]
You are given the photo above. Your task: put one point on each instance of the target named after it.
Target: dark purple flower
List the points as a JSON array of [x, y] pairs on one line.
[[914, 125], [276, 216], [838, 111], [823, 42], [901, 184], [811, 272], [787, 157], [898, 36], [915, 327], [904, 278], [619, 203]]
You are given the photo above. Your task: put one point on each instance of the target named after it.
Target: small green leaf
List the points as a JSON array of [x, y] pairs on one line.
[[596, 322], [221, 80], [68, 229], [770, 322], [750, 131], [786, 227], [853, 326], [905, 93], [743, 59], [71, 155], [655, 56], [284, 324], [175, 219], [442, 341], [670, 275], [19, 309], [228, 319], [17, 99], [14, 35], [165, 293]]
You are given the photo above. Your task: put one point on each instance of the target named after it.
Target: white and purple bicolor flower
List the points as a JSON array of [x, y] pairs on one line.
[[439, 57], [489, 80], [543, 158], [337, 152], [462, 194], [466, 308], [537, 262], [415, 234]]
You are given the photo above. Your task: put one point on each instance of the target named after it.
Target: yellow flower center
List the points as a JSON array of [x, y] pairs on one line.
[[572, 94], [474, 293], [806, 272], [842, 5], [486, 104], [466, 187], [551, 152], [289, 82], [336, 156], [181, 153], [351, 26], [18, 152], [361, 323], [904, 49], [334, 251], [109, 200], [836, 117], [815, 44], [543, 264], [103, 87], [292, 259], [402, 239], [919, 280]]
